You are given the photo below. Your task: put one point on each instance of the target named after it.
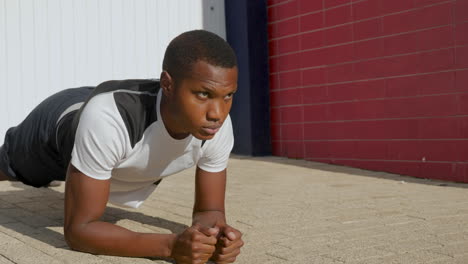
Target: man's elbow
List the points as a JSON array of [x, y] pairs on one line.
[[73, 235]]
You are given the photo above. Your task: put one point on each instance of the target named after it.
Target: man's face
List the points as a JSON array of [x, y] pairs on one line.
[[201, 102]]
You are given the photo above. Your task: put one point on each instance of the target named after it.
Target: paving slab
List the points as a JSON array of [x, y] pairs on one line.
[[290, 211]]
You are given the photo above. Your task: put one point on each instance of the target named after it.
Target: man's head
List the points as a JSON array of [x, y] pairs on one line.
[[198, 80]]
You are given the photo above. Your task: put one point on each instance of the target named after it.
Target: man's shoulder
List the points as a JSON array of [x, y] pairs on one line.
[[129, 85]]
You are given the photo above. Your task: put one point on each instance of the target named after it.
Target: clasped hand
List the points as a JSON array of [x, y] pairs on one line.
[[198, 244]]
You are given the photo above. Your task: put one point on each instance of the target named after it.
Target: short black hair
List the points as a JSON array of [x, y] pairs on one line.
[[193, 46]]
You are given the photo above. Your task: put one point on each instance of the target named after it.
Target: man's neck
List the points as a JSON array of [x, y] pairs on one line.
[[169, 122]]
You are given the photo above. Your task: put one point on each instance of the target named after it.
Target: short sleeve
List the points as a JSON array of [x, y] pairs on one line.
[[216, 151], [100, 138]]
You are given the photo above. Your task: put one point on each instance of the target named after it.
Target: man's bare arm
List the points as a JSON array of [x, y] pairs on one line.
[[209, 211], [85, 202]]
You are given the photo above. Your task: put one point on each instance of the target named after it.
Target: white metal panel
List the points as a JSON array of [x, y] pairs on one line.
[[49, 45]]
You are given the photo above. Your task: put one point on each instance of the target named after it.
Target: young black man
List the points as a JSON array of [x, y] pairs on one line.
[[115, 142]]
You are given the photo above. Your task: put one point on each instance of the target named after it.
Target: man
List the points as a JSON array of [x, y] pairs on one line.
[[117, 141]]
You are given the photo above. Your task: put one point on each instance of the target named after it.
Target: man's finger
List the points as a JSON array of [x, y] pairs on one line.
[[208, 231], [231, 233]]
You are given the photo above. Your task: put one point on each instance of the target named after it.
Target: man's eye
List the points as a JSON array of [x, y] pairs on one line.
[[203, 94], [229, 96]]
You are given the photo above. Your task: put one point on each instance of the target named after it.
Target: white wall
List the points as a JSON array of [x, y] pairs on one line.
[[50, 45]]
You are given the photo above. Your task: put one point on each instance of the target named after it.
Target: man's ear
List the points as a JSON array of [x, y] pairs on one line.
[[167, 83]]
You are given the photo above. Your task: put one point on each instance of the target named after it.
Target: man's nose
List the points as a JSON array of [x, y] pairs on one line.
[[215, 111]]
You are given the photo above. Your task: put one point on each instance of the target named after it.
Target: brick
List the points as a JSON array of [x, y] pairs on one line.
[[463, 102], [434, 128], [290, 44], [339, 54], [461, 37], [462, 57], [405, 150], [286, 10], [369, 89], [289, 62], [403, 86], [273, 64], [438, 171], [342, 149], [337, 35], [287, 27], [286, 97], [464, 127], [306, 6], [313, 76], [439, 150], [332, 3], [340, 73], [291, 132], [433, 16], [341, 92], [274, 81], [337, 16], [311, 21], [439, 60], [313, 113], [443, 105], [290, 79], [312, 40], [419, 3], [293, 149], [371, 150], [403, 65], [460, 11], [399, 44], [313, 58], [368, 29], [387, 129], [371, 69], [461, 81], [374, 109], [373, 48], [366, 9], [462, 151], [343, 111], [319, 131], [388, 7], [403, 168], [292, 114], [357, 91], [316, 150], [435, 83], [436, 38], [399, 23], [312, 95]]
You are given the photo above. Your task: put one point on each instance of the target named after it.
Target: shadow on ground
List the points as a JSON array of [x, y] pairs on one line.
[[36, 212], [351, 170]]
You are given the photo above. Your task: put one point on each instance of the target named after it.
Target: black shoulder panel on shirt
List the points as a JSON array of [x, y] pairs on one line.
[[138, 111], [136, 101]]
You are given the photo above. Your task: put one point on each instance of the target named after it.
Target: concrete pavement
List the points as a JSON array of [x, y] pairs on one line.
[[290, 211]]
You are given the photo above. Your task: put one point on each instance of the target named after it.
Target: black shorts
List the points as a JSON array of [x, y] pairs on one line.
[[38, 150]]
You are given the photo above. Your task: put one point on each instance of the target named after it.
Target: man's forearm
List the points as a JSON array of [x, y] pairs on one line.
[[109, 239]]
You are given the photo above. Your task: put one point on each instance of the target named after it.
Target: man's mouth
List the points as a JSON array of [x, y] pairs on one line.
[[211, 130]]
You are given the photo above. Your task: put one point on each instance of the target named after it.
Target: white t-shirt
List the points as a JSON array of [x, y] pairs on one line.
[[120, 138]]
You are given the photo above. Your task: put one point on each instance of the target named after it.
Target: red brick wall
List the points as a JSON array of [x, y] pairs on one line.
[[375, 84]]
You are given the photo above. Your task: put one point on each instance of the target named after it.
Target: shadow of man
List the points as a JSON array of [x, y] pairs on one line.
[[38, 214]]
